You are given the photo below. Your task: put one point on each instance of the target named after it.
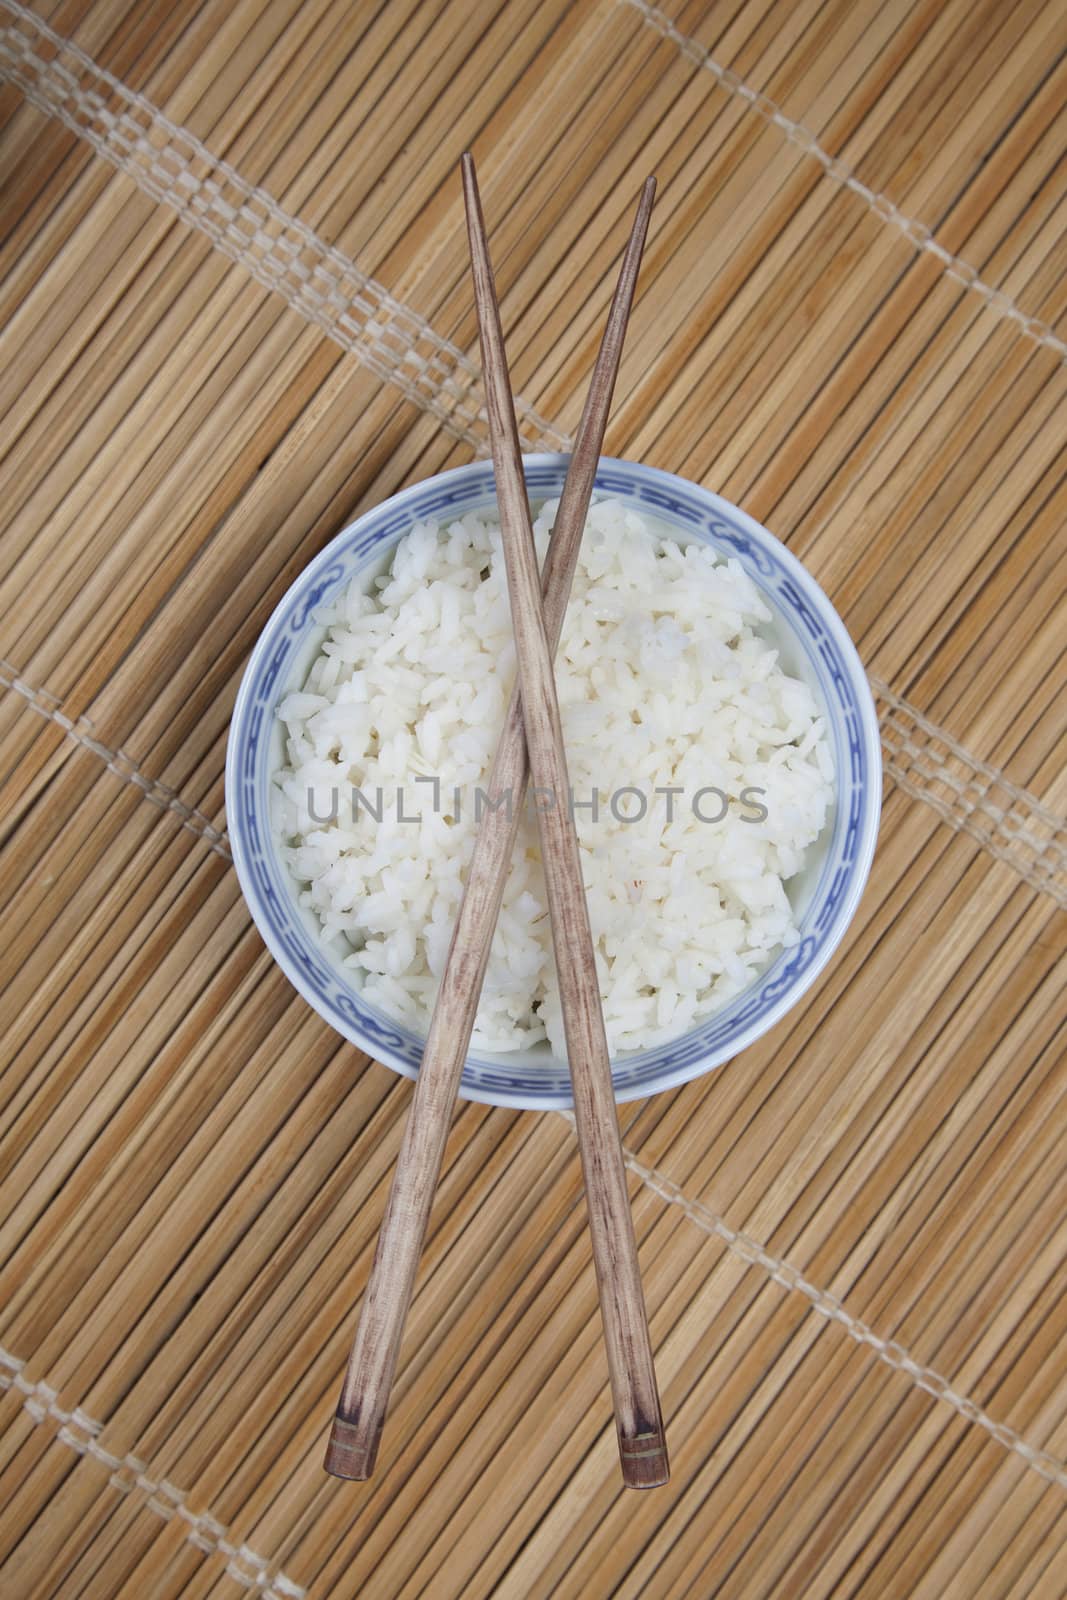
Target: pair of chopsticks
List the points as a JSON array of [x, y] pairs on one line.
[[531, 745]]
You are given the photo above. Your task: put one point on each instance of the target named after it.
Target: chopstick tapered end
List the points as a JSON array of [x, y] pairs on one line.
[[475, 221], [348, 1455], [644, 1460]]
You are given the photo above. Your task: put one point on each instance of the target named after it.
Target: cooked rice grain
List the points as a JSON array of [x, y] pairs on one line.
[[667, 679]]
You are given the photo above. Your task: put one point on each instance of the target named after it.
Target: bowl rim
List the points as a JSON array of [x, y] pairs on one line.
[[669, 1077]]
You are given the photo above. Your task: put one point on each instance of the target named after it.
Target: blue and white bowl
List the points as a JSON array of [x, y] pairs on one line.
[[812, 643]]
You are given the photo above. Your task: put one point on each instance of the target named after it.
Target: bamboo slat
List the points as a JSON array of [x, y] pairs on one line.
[[852, 321]]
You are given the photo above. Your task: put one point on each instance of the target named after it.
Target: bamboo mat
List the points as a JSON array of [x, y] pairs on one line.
[[235, 311]]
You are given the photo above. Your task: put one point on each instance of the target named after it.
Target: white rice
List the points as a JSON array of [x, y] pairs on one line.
[[664, 678]]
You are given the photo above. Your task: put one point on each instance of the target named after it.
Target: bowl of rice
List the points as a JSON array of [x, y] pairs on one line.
[[723, 756]]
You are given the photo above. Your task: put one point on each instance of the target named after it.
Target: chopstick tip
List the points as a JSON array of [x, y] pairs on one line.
[[469, 180]]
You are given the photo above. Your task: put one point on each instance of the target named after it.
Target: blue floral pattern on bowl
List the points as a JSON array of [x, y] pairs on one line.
[[696, 514]]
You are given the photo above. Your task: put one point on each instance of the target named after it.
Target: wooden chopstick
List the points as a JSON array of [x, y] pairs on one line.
[[642, 1445], [360, 1417]]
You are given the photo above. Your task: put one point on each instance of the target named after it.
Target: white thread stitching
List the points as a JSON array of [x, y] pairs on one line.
[[251, 228], [828, 1305], [128, 1473], [80, 732], [1008, 821], [917, 233]]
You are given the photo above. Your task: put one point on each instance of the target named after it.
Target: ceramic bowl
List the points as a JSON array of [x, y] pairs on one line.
[[812, 643]]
